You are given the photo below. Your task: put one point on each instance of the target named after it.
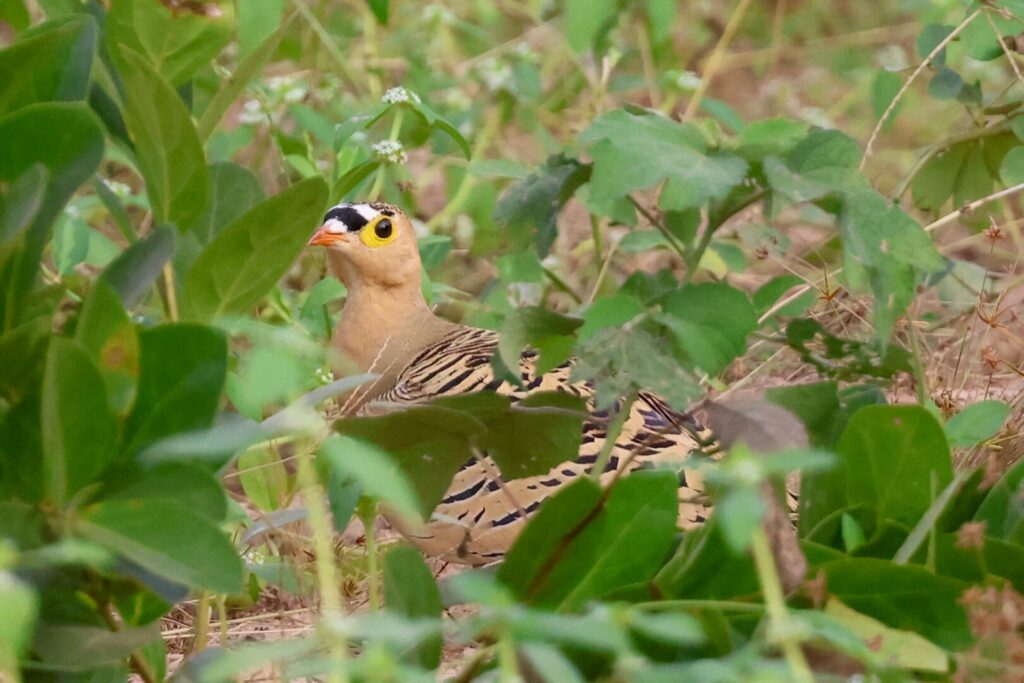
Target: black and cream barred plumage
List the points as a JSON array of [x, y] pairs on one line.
[[387, 328]]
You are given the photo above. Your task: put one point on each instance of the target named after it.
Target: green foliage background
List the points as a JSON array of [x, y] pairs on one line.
[[674, 193]]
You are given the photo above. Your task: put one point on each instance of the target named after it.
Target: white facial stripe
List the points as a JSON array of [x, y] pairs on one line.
[[336, 227], [366, 211]]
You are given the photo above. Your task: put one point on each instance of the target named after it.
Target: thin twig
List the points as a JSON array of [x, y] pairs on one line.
[[653, 220], [1002, 44], [970, 207], [868, 148], [715, 59]]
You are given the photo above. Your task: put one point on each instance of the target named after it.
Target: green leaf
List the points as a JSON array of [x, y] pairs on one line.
[[66, 139], [891, 248], [380, 11], [78, 435], [945, 85], [257, 20], [668, 628], [770, 137], [817, 406], [233, 191], [567, 555], [549, 333], [176, 43], [132, 273], [48, 63], [410, 590], [634, 357], [711, 322], [107, 334], [768, 294], [248, 69], [976, 423], [636, 241], [549, 663], [377, 474], [905, 597], [891, 457], [633, 152], [884, 88], [609, 311], [20, 202], [168, 539], [1012, 169], [75, 647], [929, 38], [314, 315], [436, 121], [584, 19], [739, 512], [853, 535], [16, 628], [351, 179], [166, 144], [188, 484], [263, 477], [528, 437], [429, 444], [251, 254], [532, 205], [903, 649], [1002, 510], [181, 375], [935, 182], [23, 349]]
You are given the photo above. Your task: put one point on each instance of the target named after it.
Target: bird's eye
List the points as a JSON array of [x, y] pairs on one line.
[[378, 233]]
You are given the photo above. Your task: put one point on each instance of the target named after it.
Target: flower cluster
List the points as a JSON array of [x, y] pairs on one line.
[[390, 151], [398, 95]]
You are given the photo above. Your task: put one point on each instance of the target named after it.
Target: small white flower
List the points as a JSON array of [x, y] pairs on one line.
[[398, 94], [435, 12], [687, 81], [121, 190], [496, 75], [390, 151], [324, 375], [252, 112]]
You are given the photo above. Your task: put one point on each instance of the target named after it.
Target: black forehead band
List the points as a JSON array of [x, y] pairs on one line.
[[352, 219]]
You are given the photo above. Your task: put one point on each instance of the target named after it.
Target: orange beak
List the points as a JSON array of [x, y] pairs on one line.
[[325, 238]]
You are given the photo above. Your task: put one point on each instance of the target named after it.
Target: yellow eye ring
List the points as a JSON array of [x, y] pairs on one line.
[[378, 233]]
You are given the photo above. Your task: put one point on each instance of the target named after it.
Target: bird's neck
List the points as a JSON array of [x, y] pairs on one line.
[[382, 328]]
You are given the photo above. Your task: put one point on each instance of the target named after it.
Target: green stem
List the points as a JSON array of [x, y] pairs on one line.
[[396, 124], [698, 253], [562, 285], [483, 141], [326, 573], [653, 220], [724, 605], [202, 623], [775, 604], [378, 182], [507, 665], [595, 233], [611, 436], [368, 515]]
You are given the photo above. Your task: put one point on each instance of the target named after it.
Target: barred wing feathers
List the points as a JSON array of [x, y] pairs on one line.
[[482, 513]]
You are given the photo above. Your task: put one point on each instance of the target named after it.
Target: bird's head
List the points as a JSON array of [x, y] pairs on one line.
[[370, 244]]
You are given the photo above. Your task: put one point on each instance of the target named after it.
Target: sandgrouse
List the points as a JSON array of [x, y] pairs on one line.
[[387, 328]]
